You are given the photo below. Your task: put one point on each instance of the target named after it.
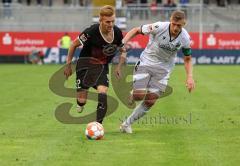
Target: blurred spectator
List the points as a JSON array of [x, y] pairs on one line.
[[65, 43], [183, 2], [184, 5], [169, 4], [50, 2], [36, 57], [154, 7], [206, 2], [81, 3], [130, 8], [66, 2], [144, 9], [229, 2], [118, 6], [19, 1], [29, 2], [7, 11], [221, 3], [159, 2], [39, 2]]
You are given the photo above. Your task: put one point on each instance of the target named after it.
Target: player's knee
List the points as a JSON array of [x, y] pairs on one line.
[[102, 89], [150, 99], [138, 95]]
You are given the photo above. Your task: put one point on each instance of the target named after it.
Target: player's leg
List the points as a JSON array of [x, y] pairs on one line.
[[82, 88], [81, 99], [141, 79], [102, 84], [102, 102]]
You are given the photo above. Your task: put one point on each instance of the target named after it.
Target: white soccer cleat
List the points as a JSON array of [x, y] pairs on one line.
[[80, 109], [126, 129]]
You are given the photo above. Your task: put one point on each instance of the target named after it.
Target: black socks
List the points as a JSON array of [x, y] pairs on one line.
[[102, 107]]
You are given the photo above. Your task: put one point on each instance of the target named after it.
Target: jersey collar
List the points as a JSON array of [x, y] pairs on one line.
[[104, 37]]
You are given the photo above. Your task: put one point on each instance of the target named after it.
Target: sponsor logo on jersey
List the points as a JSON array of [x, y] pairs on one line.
[[170, 47]]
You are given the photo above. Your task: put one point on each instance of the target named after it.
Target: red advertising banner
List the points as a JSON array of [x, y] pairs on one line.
[[22, 43], [229, 41]]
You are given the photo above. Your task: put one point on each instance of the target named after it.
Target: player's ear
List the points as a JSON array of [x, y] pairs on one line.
[[185, 23], [100, 18]]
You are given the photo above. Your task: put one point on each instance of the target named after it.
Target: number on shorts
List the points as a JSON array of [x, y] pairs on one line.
[[78, 82]]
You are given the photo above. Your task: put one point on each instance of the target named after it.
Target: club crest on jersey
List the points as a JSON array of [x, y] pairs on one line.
[[109, 49]]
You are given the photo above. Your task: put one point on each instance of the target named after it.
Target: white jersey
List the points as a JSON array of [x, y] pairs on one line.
[[161, 48]]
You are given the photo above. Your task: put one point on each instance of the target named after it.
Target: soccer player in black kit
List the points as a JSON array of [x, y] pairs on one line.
[[100, 43]]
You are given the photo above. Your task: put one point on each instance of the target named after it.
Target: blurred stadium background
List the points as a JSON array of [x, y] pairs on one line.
[[27, 26]]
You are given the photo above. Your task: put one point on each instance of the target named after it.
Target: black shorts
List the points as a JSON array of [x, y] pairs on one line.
[[90, 75]]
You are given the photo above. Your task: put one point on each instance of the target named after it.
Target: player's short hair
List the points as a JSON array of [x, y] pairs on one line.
[[178, 15], [107, 10]]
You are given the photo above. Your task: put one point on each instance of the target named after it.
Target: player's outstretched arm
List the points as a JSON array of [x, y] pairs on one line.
[[132, 33], [190, 84], [68, 70]]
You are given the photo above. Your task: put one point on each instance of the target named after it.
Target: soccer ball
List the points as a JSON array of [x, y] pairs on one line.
[[94, 131]]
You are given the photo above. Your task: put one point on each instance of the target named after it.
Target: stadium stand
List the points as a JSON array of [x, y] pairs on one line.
[[72, 16]]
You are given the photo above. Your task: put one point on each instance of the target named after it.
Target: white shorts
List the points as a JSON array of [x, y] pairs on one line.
[[151, 78]]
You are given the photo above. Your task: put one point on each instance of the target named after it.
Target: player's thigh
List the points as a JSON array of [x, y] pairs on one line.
[[158, 82], [88, 74], [102, 83], [141, 77]]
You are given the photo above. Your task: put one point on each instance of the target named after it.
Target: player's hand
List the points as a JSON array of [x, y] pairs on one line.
[[118, 72], [190, 84], [68, 71]]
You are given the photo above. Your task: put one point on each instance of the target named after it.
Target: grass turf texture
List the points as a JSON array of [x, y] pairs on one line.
[[202, 128]]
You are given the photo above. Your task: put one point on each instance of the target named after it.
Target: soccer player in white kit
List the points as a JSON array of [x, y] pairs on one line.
[[156, 62]]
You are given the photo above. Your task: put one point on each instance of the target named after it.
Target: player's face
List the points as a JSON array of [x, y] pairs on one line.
[[176, 27], [107, 23]]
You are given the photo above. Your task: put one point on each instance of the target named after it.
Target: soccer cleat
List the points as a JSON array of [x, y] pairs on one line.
[[80, 109], [126, 128]]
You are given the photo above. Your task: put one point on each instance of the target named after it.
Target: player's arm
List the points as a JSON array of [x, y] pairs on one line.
[[144, 30], [190, 84], [122, 60], [68, 70], [131, 34]]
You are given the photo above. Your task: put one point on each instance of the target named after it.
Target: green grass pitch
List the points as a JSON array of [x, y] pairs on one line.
[[200, 129]]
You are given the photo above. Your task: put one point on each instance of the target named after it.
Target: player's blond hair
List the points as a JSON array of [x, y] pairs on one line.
[[107, 10], [178, 16]]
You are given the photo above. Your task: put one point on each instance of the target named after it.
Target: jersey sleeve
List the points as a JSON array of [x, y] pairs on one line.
[[120, 38], [85, 36], [186, 48], [153, 28]]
